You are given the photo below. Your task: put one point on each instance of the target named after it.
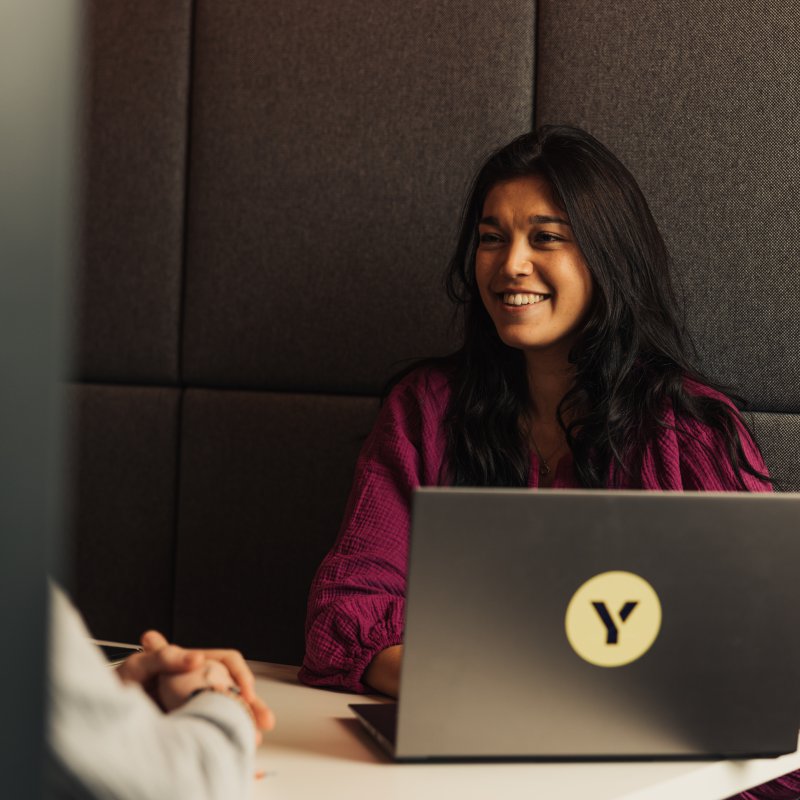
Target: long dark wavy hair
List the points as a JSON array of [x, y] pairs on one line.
[[631, 360]]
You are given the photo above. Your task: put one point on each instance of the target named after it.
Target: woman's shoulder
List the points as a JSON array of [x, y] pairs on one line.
[[414, 412], [726, 410], [706, 447], [426, 387], [410, 428], [719, 414], [697, 388]]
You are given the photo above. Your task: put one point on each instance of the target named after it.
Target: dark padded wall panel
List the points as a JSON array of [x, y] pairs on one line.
[[249, 537], [778, 436], [123, 474], [701, 101], [332, 145], [128, 299]]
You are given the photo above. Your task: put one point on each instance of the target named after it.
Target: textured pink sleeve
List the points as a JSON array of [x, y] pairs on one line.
[[356, 605]]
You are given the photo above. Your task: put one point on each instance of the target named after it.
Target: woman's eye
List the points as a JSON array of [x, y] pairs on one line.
[[489, 238], [546, 237]]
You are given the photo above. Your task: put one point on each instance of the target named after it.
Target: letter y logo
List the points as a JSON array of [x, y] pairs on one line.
[[611, 628], [606, 632]]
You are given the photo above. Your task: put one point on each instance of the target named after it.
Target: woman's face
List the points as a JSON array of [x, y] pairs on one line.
[[532, 276]]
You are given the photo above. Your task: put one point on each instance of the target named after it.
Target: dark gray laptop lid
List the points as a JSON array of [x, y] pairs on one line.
[[489, 670]]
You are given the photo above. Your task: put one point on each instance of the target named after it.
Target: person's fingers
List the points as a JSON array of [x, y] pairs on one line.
[[240, 672], [238, 668], [217, 675], [138, 668], [264, 717], [160, 657], [142, 667], [173, 658], [245, 679], [153, 640]]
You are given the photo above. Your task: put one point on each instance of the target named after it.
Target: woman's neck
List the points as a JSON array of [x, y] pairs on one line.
[[549, 379]]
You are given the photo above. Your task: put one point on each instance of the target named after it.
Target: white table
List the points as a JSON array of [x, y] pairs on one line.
[[318, 750]]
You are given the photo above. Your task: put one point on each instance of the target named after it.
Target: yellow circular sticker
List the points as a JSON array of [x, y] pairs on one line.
[[613, 619]]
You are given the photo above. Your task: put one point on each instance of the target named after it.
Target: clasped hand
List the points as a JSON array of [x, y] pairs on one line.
[[170, 674]]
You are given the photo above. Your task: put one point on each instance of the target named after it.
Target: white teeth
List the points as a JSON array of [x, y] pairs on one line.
[[523, 299]]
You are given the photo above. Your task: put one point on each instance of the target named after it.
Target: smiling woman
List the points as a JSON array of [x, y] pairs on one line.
[[572, 373], [530, 272]]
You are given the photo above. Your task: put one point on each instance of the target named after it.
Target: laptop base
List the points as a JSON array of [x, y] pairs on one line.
[[380, 720]]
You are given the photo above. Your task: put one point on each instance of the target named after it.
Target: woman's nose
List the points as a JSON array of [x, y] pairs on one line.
[[518, 261]]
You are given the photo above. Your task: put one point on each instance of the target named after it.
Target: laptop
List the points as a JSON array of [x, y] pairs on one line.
[[572, 624]]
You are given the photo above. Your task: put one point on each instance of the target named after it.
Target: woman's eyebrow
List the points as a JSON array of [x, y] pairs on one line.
[[536, 219], [543, 218]]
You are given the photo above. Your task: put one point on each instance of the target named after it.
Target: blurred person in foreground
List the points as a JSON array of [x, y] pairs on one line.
[[169, 723]]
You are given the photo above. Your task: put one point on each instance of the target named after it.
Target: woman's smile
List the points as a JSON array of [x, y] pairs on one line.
[[519, 299]]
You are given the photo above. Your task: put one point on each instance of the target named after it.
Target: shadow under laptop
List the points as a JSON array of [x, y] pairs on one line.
[[358, 733], [303, 737]]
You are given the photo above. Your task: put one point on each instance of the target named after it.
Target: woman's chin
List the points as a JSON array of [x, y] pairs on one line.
[[552, 347]]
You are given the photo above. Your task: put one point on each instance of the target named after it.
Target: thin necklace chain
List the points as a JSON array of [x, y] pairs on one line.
[[544, 463], [544, 466]]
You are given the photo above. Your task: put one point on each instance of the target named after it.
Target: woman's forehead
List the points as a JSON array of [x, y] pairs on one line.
[[526, 194]]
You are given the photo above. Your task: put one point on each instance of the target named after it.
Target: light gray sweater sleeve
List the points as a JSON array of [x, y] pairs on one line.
[[109, 740]]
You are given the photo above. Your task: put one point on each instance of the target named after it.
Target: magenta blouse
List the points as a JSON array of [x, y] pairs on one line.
[[357, 599]]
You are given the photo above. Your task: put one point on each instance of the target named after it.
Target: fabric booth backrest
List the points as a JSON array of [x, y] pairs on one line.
[[272, 191]]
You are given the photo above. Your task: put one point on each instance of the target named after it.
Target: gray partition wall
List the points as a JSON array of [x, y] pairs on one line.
[[127, 392], [273, 191]]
